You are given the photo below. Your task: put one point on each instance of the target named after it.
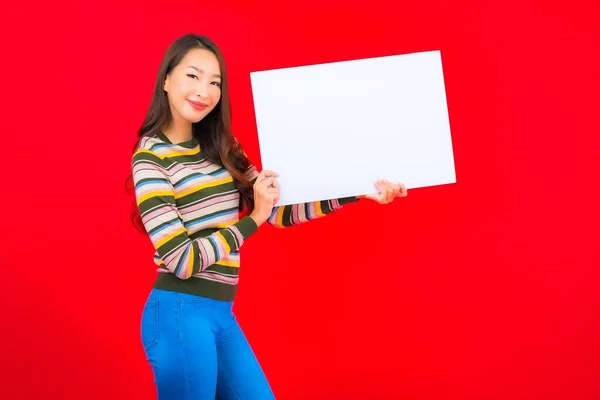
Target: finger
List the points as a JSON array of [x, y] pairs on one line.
[[261, 176], [267, 181], [402, 192], [272, 182], [265, 174], [394, 187], [387, 191], [387, 183], [388, 196], [393, 193]]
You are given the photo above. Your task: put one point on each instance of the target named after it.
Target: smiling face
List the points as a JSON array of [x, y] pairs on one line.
[[194, 86]]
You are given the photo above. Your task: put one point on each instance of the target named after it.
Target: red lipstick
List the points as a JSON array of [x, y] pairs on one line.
[[198, 106]]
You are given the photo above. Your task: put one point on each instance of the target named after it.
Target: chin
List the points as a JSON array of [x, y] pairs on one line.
[[194, 118]]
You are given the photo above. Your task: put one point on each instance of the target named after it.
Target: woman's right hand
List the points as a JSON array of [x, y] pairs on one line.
[[266, 195]]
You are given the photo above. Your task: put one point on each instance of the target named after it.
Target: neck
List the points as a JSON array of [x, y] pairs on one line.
[[178, 131]]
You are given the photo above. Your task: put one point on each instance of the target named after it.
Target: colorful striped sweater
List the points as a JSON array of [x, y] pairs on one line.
[[190, 210]]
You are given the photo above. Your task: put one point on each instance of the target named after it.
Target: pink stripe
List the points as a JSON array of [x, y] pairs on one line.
[[175, 170], [180, 167], [196, 181], [157, 213], [143, 142], [219, 278], [150, 189], [205, 261], [335, 204], [295, 213], [141, 165], [168, 260], [207, 203], [203, 164]]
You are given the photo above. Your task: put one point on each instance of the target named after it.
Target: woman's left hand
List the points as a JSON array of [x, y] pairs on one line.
[[388, 192]]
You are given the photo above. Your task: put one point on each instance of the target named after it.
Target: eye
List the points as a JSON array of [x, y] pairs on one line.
[[192, 76], [218, 84]]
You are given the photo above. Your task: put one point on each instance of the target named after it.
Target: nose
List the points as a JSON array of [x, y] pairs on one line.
[[202, 89]]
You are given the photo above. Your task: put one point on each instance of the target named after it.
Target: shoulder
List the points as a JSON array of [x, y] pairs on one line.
[[148, 149]]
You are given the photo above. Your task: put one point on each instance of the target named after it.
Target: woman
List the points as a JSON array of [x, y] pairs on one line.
[[191, 180]]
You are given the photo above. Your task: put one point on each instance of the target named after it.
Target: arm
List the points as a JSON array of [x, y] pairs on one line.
[[182, 256], [294, 214]]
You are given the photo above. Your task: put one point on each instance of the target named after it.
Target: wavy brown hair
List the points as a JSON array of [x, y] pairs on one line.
[[213, 132]]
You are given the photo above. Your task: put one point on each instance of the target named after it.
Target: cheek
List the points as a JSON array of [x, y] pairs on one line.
[[177, 92], [186, 88], [215, 95]]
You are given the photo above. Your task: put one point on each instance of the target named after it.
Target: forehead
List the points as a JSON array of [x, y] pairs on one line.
[[202, 59]]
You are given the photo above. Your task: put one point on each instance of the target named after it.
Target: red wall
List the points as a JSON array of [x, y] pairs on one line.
[[486, 289]]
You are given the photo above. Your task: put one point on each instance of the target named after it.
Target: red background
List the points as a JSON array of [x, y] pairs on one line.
[[486, 289]]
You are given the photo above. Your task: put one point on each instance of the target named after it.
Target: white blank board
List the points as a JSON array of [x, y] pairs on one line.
[[331, 130]]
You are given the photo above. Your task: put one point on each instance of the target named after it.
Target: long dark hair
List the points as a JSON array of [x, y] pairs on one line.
[[213, 132]]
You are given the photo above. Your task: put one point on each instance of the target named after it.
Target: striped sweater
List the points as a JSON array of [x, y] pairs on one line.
[[190, 210]]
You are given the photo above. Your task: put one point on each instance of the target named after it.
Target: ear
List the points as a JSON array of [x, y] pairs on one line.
[[166, 84]]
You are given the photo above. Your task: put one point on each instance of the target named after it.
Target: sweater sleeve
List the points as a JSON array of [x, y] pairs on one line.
[[295, 214], [155, 197]]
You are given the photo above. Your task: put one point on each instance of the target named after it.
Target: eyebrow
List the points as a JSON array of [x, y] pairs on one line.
[[201, 71]]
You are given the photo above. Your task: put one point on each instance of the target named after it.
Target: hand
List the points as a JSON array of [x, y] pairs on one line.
[[266, 195], [388, 192]]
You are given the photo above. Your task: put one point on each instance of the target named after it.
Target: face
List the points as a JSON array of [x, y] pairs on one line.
[[194, 86]]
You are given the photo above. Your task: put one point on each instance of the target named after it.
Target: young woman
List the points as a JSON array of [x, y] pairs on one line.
[[192, 182]]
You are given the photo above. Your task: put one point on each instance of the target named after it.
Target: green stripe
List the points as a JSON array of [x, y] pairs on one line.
[[188, 176], [154, 201], [287, 215], [195, 286], [228, 235], [197, 257], [174, 242], [326, 207], [206, 192], [186, 158], [145, 156]]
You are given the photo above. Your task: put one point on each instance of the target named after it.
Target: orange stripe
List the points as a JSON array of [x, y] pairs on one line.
[[202, 186], [171, 236], [320, 212], [157, 193]]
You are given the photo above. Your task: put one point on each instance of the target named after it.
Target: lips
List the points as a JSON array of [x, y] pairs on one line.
[[198, 106]]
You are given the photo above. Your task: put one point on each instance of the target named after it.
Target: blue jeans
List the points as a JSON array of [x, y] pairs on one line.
[[198, 351]]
